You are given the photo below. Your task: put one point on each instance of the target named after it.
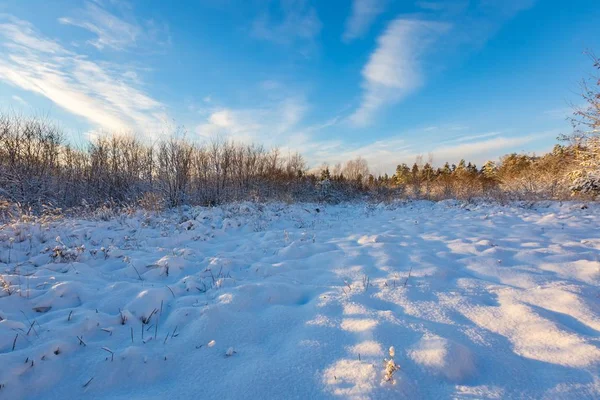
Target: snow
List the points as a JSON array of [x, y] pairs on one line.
[[444, 357], [303, 301]]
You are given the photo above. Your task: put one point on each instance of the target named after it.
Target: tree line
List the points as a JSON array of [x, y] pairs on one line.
[[39, 169]]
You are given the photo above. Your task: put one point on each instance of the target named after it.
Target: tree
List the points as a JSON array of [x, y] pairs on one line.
[[586, 137], [489, 170], [336, 172], [325, 174], [472, 168], [356, 170], [447, 169], [415, 179], [427, 176], [402, 175], [371, 180], [427, 173], [414, 171]]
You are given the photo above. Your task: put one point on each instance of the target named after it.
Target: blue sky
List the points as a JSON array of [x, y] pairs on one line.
[[382, 79]]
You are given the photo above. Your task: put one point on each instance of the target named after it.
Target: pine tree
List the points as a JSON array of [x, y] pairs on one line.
[[402, 176], [489, 169], [447, 170], [472, 168], [414, 171], [427, 172]]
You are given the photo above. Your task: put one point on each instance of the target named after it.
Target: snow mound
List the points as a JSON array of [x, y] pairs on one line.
[[444, 357]]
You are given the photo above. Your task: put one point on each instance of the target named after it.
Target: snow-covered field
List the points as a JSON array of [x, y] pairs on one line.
[[303, 301]]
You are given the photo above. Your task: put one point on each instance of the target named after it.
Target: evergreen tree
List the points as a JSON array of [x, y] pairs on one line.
[[489, 169], [414, 172], [472, 168], [427, 173], [402, 176], [447, 169]]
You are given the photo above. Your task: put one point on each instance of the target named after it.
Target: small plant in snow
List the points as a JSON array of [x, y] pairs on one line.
[[230, 351], [10, 246], [122, 317], [390, 367], [366, 281], [104, 250], [5, 285], [286, 236], [64, 254]]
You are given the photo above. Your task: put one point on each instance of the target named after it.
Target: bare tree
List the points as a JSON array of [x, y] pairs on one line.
[[586, 136], [356, 170]]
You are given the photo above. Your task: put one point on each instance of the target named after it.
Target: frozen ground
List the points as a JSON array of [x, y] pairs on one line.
[[276, 301]]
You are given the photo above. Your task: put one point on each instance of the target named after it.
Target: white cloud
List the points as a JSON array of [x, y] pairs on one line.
[[480, 151], [364, 13], [430, 5], [271, 125], [115, 32], [563, 112], [384, 155], [21, 35], [474, 21], [20, 100], [99, 92], [300, 22], [467, 138], [110, 31], [271, 85], [394, 69], [378, 154]]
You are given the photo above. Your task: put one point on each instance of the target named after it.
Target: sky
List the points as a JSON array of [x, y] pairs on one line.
[[386, 80]]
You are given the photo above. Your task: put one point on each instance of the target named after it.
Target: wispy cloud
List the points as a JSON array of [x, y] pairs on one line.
[[562, 112], [481, 150], [383, 155], [468, 138], [363, 14], [474, 21], [115, 32], [109, 30], [20, 100], [394, 69], [431, 5], [295, 20], [272, 125], [103, 93]]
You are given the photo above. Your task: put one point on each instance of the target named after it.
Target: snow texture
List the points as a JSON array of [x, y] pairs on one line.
[[302, 301]]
